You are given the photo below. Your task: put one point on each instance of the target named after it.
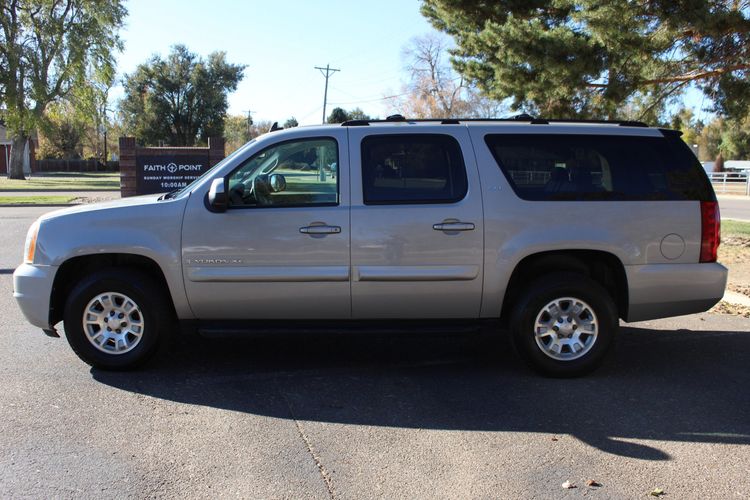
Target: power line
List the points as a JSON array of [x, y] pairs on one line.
[[384, 98], [328, 72], [304, 117]]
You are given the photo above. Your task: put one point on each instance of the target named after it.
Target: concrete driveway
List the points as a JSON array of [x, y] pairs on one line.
[[399, 416]]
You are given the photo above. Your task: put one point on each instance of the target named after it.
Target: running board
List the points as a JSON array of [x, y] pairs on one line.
[[250, 328]]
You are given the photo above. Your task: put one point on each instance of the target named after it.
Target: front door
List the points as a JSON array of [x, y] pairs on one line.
[[281, 250], [417, 232]]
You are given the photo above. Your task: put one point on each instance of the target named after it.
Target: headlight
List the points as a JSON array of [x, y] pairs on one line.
[[29, 248]]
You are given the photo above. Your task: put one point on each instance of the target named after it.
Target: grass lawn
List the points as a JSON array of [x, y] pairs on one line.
[[62, 181], [735, 228], [734, 253], [36, 200]]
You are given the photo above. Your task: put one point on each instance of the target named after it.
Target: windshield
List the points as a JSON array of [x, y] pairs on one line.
[[210, 171]]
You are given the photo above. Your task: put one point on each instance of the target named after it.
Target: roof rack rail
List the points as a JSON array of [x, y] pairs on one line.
[[671, 132], [444, 121], [517, 118], [356, 123], [632, 123]]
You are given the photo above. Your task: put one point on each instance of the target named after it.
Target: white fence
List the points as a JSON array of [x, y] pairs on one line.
[[730, 182]]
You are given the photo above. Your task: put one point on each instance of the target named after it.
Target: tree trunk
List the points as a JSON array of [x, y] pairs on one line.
[[16, 156], [719, 163]]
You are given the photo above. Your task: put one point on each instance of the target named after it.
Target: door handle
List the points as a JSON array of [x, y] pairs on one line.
[[454, 226], [320, 229]]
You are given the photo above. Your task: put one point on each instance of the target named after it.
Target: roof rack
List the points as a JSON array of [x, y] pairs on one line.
[[517, 118], [621, 123]]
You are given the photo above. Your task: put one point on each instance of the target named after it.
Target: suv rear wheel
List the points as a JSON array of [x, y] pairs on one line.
[[116, 318], [564, 324]]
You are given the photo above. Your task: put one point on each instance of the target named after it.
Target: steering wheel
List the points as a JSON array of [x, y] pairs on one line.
[[240, 194], [262, 190]]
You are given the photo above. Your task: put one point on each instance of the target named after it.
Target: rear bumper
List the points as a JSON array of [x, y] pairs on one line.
[[32, 289], [664, 290]]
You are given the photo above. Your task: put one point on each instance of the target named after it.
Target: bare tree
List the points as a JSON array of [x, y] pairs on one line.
[[434, 90]]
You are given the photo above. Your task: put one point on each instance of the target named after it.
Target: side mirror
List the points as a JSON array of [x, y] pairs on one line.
[[217, 196], [277, 182]]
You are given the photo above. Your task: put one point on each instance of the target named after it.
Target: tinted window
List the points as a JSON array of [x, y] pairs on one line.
[[299, 172], [595, 167], [412, 169]]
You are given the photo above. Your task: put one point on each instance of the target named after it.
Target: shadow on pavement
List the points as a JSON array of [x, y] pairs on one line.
[[658, 385]]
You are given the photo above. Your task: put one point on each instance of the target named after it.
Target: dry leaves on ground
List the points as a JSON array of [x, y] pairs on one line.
[[736, 241], [743, 289], [727, 308]]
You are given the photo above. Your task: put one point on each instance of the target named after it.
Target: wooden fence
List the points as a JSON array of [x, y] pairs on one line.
[[731, 182], [76, 166]]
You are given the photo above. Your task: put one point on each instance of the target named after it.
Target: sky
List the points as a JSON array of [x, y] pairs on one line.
[[281, 42]]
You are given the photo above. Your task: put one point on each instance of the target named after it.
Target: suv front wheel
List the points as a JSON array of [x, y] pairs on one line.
[[564, 324], [115, 319]]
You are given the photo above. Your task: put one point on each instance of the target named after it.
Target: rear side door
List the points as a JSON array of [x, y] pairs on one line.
[[416, 219]]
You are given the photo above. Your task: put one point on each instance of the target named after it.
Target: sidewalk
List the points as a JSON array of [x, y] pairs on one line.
[[734, 207], [737, 299]]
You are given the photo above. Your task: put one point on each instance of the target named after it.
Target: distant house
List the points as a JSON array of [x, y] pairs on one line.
[[729, 166], [737, 165], [6, 146]]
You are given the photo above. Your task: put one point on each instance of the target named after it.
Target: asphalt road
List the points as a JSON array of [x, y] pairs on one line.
[[381, 416], [735, 207]]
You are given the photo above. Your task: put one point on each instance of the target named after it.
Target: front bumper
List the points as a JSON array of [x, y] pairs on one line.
[[665, 290], [32, 289]]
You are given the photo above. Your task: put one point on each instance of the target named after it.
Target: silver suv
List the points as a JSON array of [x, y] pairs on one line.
[[552, 230]]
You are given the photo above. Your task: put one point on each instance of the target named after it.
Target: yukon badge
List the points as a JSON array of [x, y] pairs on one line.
[[216, 261]]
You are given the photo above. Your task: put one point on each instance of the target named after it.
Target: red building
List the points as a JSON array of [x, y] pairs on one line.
[[5, 149]]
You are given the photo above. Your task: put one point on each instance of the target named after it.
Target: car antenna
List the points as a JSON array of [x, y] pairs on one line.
[[275, 127]]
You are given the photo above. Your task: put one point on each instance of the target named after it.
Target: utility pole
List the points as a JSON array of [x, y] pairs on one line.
[[248, 122], [326, 72]]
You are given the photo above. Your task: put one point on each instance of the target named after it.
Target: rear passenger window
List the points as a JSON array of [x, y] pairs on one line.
[[422, 168], [599, 167]]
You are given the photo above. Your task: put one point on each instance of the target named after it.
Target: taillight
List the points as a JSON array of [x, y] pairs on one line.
[[710, 230]]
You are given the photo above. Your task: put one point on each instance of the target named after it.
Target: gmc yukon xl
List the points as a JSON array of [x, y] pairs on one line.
[[550, 230]]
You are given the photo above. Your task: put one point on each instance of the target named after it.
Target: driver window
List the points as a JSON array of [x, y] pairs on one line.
[[298, 173]]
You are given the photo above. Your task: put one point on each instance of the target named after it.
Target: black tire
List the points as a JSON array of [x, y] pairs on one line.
[[533, 300], [151, 299]]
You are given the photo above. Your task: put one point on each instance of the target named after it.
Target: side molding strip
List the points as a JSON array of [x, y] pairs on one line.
[[415, 273], [232, 274]]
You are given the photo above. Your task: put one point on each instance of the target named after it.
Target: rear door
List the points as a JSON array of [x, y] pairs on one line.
[[416, 219]]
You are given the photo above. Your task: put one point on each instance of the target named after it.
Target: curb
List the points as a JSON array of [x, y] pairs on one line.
[[11, 190], [18, 205]]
